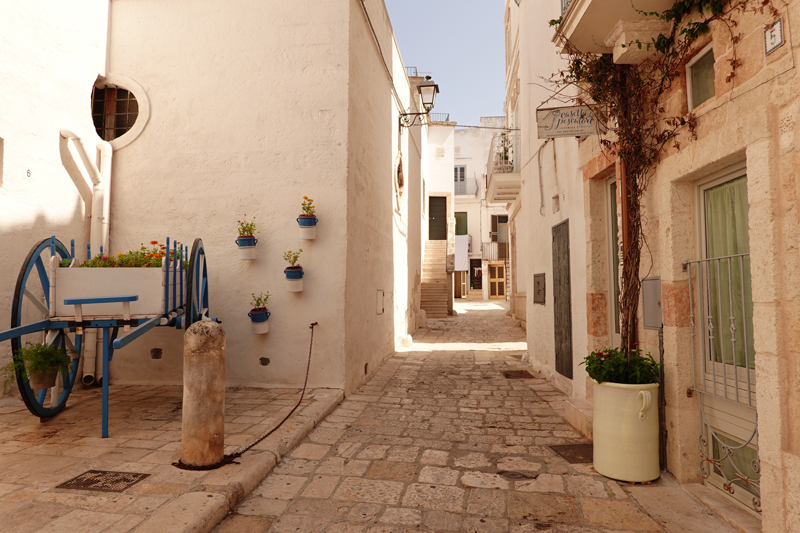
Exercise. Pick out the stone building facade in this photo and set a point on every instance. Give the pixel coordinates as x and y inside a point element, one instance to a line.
<point>722,232</point>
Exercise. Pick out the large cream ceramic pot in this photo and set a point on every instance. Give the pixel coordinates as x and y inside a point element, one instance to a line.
<point>625,429</point>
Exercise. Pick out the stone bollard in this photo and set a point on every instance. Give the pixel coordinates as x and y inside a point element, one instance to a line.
<point>203,425</point>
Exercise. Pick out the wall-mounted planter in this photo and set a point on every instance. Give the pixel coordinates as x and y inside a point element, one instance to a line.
<point>258,319</point>
<point>294,279</point>
<point>308,226</point>
<point>247,247</point>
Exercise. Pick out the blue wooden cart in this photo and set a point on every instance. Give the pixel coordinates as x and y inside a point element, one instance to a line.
<point>46,309</point>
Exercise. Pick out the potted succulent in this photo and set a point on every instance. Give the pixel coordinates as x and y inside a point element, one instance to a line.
<point>625,424</point>
<point>246,241</point>
<point>294,272</point>
<point>259,313</point>
<point>39,363</point>
<point>307,219</point>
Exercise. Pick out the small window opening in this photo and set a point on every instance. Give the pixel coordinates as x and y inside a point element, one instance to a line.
<point>700,77</point>
<point>114,111</point>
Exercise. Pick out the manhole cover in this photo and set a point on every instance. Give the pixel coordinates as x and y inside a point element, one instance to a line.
<point>103,481</point>
<point>575,453</point>
<point>517,374</point>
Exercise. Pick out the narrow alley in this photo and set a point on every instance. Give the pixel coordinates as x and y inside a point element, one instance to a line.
<point>440,440</point>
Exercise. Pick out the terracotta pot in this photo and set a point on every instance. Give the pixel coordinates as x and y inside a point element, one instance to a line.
<point>43,380</point>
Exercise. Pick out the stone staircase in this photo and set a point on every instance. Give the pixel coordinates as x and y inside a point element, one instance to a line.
<point>434,280</point>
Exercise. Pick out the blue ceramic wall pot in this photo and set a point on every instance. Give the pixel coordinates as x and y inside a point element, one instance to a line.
<point>308,226</point>
<point>294,279</point>
<point>247,247</point>
<point>258,318</point>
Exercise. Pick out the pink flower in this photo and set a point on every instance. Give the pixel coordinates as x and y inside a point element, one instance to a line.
<point>104,258</point>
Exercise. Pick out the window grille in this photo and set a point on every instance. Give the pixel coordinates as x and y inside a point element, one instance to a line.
<point>114,111</point>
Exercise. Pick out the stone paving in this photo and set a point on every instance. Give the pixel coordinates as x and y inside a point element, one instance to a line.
<point>145,433</point>
<point>440,440</point>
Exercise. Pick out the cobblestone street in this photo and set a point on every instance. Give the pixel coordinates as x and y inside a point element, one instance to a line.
<point>440,440</point>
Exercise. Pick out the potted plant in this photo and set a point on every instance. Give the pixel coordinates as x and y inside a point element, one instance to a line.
<point>259,313</point>
<point>141,271</point>
<point>39,363</point>
<point>625,424</point>
<point>307,220</point>
<point>246,241</point>
<point>294,272</point>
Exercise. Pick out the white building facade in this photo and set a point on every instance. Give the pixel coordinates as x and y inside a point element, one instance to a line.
<point>223,131</point>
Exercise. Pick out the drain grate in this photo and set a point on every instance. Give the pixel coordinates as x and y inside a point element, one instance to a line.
<point>103,481</point>
<point>575,453</point>
<point>517,374</point>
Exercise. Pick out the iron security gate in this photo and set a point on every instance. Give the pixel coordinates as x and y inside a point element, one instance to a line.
<point>721,320</point>
<point>562,300</point>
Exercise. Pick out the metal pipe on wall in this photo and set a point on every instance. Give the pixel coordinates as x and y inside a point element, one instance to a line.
<point>98,204</point>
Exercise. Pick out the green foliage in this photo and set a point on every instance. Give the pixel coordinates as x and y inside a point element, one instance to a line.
<point>34,358</point>
<point>292,257</point>
<point>260,301</point>
<point>247,228</point>
<point>143,257</point>
<point>614,366</point>
<point>555,22</point>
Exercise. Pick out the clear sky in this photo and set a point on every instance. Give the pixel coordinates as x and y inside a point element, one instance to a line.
<point>460,42</point>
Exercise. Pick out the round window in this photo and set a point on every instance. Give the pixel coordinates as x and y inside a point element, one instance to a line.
<point>114,111</point>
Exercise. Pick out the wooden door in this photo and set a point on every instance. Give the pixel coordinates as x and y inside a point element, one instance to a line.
<point>562,300</point>
<point>497,281</point>
<point>437,218</point>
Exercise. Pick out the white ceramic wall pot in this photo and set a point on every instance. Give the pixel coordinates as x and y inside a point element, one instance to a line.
<point>294,279</point>
<point>308,232</point>
<point>259,321</point>
<point>247,248</point>
<point>308,227</point>
<point>259,328</point>
<point>625,431</point>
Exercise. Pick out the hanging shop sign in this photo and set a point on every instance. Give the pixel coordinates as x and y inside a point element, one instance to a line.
<point>565,122</point>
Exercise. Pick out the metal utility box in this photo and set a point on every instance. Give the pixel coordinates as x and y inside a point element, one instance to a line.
<point>538,289</point>
<point>651,303</point>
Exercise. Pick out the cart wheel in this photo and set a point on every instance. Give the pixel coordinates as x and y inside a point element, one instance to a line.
<point>197,291</point>
<point>32,304</point>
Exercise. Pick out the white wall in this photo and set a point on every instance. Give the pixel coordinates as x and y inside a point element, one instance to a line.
<point>560,176</point>
<point>52,54</point>
<point>240,132</point>
<point>441,152</point>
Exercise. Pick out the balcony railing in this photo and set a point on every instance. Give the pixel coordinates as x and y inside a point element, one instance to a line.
<point>469,187</point>
<point>564,6</point>
<point>503,154</point>
<point>495,251</point>
<point>440,117</point>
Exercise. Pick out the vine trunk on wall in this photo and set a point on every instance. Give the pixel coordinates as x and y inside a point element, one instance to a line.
<point>627,101</point>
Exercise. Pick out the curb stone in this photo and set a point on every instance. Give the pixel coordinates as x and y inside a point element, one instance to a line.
<point>201,509</point>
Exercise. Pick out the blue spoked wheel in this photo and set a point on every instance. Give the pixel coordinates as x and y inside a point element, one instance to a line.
<point>32,304</point>
<point>197,292</point>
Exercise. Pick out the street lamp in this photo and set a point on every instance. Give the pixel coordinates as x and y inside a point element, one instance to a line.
<point>428,91</point>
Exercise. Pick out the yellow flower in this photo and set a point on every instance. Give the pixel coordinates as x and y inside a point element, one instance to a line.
<point>305,197</point>
<point>120,255</point>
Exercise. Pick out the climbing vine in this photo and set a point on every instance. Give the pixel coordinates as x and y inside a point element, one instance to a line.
<point>628,102</point>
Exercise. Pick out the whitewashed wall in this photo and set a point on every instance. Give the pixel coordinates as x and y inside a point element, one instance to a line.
<point>52,54</point>
<point>234,132</point>
<point>560,176</point>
